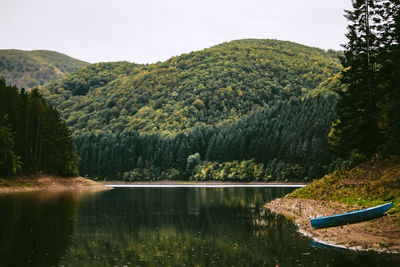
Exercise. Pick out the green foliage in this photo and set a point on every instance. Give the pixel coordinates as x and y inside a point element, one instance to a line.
<point>247,101</point>
<point>369,184</point>
<point>28,69</point>
<point>356,129</point>
<point>211,87</point>
<point>144,174</point>
<point>290,139</point>
<point>249,170</point>
<point>368,109</point>
<point>32,136</point>
<point>9,162</point>
<point>390,83</point>
<point>330,86</point>
<point>192,161</point>
<point>90,78</point>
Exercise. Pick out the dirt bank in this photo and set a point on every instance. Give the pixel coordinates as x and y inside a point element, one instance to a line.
<point>48,182</point>
<point>381,234</point>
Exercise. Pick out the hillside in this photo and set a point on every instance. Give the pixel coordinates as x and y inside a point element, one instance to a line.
<point>205,88</point>
<point>286,141</point>
<point>261,107</point>
<point>28,69</point>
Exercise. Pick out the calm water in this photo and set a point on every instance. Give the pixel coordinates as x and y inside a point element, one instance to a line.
<point>160,226</point>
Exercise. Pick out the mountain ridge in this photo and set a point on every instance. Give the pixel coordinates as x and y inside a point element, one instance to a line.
<point>201,88</point>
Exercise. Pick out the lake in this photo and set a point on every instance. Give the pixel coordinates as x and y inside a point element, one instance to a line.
<point>161,226</point>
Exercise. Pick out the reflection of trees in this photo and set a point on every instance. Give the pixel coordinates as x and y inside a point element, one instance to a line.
<point>265,222</point>
<point>35,228</point>
<point>155,226</point>
<point>179,226</point>
<point>190,226</point>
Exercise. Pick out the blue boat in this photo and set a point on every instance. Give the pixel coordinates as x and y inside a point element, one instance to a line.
<point>350,217</point>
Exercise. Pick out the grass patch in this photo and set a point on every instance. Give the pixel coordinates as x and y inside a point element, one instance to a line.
<point>372,183</point>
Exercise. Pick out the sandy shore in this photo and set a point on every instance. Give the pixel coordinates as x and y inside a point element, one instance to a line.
<point>48,182</point>
<point>380,235</point>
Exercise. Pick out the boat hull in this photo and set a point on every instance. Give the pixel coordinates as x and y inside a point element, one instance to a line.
<point>350,217</point>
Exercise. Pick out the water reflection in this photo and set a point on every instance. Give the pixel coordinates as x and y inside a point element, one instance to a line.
<point>35,228</point>
<point>155,226</point>
<point>196,226</point>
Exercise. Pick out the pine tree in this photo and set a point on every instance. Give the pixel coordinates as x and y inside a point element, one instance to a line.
<point>390,78</point>
<point>356,128</point>
<point>32,136</point>
<point>9,162</point>
<point>182,154</point>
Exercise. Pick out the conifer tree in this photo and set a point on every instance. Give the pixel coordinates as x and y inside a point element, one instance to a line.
<point>356,128</point>
<point>390,77</point>
<point>32,136</point>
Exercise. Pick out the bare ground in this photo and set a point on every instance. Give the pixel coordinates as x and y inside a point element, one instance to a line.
<point>380,234</point>
<point>49,182</point>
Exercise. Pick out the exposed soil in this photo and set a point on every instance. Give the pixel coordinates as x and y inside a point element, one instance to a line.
<point>380,234</point>
<point>48,182</point>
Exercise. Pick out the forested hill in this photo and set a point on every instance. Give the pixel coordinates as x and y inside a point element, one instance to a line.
<point>205,88</point>
<point>28,69</point>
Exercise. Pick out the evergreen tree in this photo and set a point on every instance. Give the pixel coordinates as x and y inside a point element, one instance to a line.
<point>9,162</point>
<point>390,78</point>
<point>356,128</point>
<point>32,136</point>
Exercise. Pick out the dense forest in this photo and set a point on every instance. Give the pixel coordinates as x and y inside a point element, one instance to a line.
<point>32,136</point>
<point>28,69</point>
<point>244,110</point>
<point>211,87</point>
<point>286,141</point>
<point>251,106</point>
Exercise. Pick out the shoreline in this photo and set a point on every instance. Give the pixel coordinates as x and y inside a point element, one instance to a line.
<point>380,235</point>
<point>44,182</point>
<point>207,183</point>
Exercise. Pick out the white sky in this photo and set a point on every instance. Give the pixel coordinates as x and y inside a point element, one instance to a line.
<point>147,31</point>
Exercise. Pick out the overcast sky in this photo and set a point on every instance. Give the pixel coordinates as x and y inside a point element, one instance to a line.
<point>147,31</point>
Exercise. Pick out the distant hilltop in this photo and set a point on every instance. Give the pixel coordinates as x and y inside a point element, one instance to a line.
<point>28,69</point>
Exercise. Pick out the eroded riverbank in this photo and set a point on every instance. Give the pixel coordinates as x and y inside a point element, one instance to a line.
<point>380,235</point>
<point>48,182</point>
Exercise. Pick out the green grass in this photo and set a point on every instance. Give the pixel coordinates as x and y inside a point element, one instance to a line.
<point>369,184</point>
